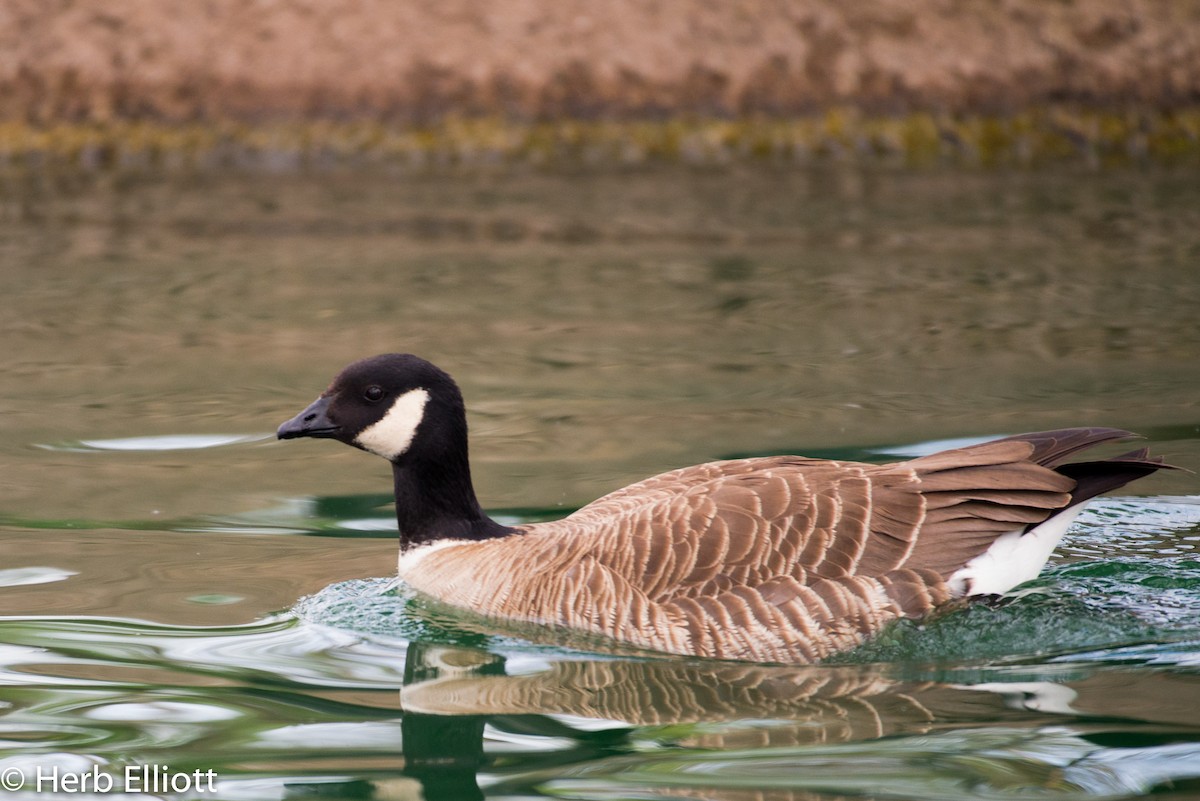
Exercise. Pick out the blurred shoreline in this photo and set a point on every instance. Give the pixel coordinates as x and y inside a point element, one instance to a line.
<point>1020,81</point>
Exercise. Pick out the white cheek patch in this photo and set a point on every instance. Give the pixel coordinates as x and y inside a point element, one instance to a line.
<point>392,435</point>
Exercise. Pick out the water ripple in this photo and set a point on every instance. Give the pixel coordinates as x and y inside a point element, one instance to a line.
<point>972,765</point>
<point>279,650</point>
<point>164,442</point>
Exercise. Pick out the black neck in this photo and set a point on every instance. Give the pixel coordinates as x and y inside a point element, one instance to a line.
<point>435,500</point>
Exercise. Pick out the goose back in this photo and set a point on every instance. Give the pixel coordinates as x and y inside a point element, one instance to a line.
<point>779,559</point>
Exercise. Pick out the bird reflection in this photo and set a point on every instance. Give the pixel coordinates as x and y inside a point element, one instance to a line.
<point>445,752</point>
<point>450,694</point>
<point>822,704</point>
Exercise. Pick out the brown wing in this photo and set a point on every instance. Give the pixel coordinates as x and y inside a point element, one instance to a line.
<point>774,559</point>
<point>699,531</point>
<point>778,559</point>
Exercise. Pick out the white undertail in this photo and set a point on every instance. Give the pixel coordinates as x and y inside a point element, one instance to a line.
<point>1013,558</point>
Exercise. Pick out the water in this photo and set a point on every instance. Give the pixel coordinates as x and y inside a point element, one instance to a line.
<point>180,593</point>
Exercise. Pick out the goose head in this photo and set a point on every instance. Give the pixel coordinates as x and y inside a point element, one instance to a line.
<point>411,413</point>
<point>391,405</point>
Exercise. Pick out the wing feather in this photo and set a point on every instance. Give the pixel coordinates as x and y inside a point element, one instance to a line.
<point>772,559</point>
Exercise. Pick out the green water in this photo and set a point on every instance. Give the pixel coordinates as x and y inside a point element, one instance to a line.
<point>179,593</point>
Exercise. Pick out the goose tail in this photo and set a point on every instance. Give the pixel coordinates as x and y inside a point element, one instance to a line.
<point>1018,556</point>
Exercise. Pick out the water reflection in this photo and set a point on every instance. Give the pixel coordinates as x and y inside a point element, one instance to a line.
<point>818,704</point>
<point>736,729</point>
<point>605,327</point>
<point>165,442</point>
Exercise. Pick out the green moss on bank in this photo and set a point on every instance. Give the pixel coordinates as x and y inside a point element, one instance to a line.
<point>1097,138</point>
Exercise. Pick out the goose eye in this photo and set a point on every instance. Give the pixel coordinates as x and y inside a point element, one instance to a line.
<point>373,393</point>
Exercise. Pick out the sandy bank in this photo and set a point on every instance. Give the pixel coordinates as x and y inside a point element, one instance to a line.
<point>421,60</point>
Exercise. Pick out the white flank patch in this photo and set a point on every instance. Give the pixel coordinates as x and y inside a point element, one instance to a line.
<point>1013,558</point>
<point>392,435</point>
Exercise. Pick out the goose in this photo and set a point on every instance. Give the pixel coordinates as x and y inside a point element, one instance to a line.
<point>777,559</point>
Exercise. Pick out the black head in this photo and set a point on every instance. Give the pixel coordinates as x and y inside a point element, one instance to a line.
<point>386,405</point>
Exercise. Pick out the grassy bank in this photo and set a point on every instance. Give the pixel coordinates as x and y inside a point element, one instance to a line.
<point>1031,138</point>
